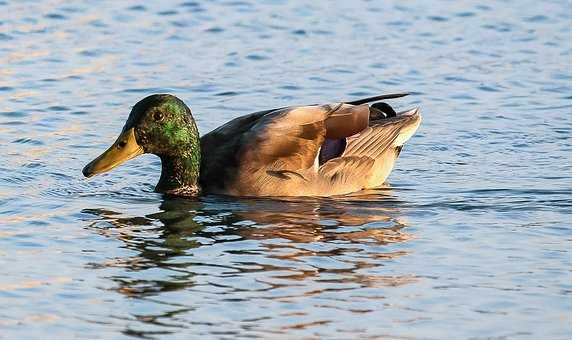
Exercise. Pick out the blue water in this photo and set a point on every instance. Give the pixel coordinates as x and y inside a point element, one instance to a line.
<point>471,240</point>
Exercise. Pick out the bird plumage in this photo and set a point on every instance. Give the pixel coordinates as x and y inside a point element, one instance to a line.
<point>312,150</point>
<point>274,153</point>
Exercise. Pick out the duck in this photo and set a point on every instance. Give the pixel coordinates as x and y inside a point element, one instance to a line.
<point>308,150</point>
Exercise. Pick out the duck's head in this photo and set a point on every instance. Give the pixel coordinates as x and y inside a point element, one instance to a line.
<point>159,124</point>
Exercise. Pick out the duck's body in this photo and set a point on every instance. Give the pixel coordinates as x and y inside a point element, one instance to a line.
<point>316,150</point>
<point>277,153</point>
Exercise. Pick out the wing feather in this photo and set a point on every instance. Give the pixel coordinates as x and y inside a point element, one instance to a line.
<point>373,141</point>
<point>290,138</point>
<point>346,173</point>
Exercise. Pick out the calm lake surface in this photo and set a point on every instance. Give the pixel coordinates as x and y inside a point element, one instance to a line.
<point>471,240</point>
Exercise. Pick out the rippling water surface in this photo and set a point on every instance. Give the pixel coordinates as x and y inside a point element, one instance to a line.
<point>471,240</point>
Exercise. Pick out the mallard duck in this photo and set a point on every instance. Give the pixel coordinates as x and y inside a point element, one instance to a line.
<point>314,150</point>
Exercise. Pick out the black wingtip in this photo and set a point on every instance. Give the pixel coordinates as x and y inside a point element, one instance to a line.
<point>377,98</point>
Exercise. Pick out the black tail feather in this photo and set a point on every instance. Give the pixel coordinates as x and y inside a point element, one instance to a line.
<point>385,108</point>
<point>377,98</point>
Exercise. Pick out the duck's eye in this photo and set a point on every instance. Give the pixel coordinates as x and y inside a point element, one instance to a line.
<point>158,116</point>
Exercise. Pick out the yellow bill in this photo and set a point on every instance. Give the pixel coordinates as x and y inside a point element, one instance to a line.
<point>124,149</point>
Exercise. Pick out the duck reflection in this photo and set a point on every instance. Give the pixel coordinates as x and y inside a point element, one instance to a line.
<point>283,241</point>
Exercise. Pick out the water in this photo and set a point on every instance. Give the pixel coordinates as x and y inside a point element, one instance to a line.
<point>472,240</point>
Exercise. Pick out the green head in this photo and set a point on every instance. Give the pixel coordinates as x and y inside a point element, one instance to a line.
<point>159,124</point>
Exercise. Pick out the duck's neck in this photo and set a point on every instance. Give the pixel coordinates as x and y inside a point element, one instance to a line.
<point>180,172</point>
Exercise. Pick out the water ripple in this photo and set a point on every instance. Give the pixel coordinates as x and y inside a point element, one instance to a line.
<point>471,230</point>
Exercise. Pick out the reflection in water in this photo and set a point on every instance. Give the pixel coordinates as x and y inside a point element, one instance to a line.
<point>280,250</point>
